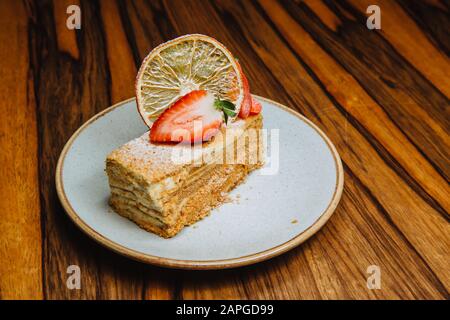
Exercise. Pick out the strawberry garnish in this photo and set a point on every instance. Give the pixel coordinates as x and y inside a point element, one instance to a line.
<point>256,107</point>
<point>246,105</point>
<point>195,117</point>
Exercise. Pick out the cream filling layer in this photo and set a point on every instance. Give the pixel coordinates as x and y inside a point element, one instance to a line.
<point>232,144</point>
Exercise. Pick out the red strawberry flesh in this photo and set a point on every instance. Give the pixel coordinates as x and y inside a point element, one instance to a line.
<point>192,118</point>
<point>256,107</point>
<point>244,112</point>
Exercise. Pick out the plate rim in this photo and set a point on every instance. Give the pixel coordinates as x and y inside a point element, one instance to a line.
<point>202,264</point>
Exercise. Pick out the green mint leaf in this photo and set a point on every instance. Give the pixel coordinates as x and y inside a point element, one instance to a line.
<point>227,107</point>
<point>224,104</point>
<point>228,112</point>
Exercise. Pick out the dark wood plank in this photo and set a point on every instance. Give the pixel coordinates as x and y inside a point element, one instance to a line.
<point>412,41</point>
<point>433,18</point>
<point>413,103</point>
<point>70,88</point>
<point>121,65</point>
<point>146,25</point>
<point>20,226</point>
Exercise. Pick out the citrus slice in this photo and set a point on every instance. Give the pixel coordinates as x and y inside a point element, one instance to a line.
<point>184,64</point>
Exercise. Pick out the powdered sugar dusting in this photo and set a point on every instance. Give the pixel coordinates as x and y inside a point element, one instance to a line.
<point>156,161</point>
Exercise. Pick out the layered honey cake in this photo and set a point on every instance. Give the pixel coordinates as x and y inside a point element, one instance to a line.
<point>152,185</point>
<point>204,139</point>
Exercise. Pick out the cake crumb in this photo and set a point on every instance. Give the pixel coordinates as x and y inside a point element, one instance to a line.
<point>226,198</point>
<point>236,199</point>
<point>294,221</point>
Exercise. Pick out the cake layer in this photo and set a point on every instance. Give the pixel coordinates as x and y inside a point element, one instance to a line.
<point>150,163</point>
<point>163,201</point>
<point>124,165</point>
<point>213,192</point>
<point>130,194</point>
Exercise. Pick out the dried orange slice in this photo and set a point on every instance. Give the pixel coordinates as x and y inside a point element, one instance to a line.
<point>179,66</point>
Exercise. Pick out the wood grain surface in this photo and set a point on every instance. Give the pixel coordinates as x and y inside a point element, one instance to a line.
<point>382,96</point>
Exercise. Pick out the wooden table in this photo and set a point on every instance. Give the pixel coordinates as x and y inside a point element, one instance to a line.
<point>382,96</point>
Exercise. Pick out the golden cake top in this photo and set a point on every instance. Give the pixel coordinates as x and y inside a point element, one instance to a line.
<point>154,162</point>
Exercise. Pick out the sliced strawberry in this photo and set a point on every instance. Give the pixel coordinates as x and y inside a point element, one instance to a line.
<point>256,107</point>
<point>192,118</point>
<point>246,105</point>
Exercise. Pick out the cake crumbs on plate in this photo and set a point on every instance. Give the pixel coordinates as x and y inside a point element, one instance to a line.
<point>294,221</point>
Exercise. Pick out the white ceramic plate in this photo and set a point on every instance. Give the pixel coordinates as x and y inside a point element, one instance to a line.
<point>273,213</point>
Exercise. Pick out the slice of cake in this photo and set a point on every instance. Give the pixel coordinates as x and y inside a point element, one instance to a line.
<point>165,187</point>
<point>203,141</point>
